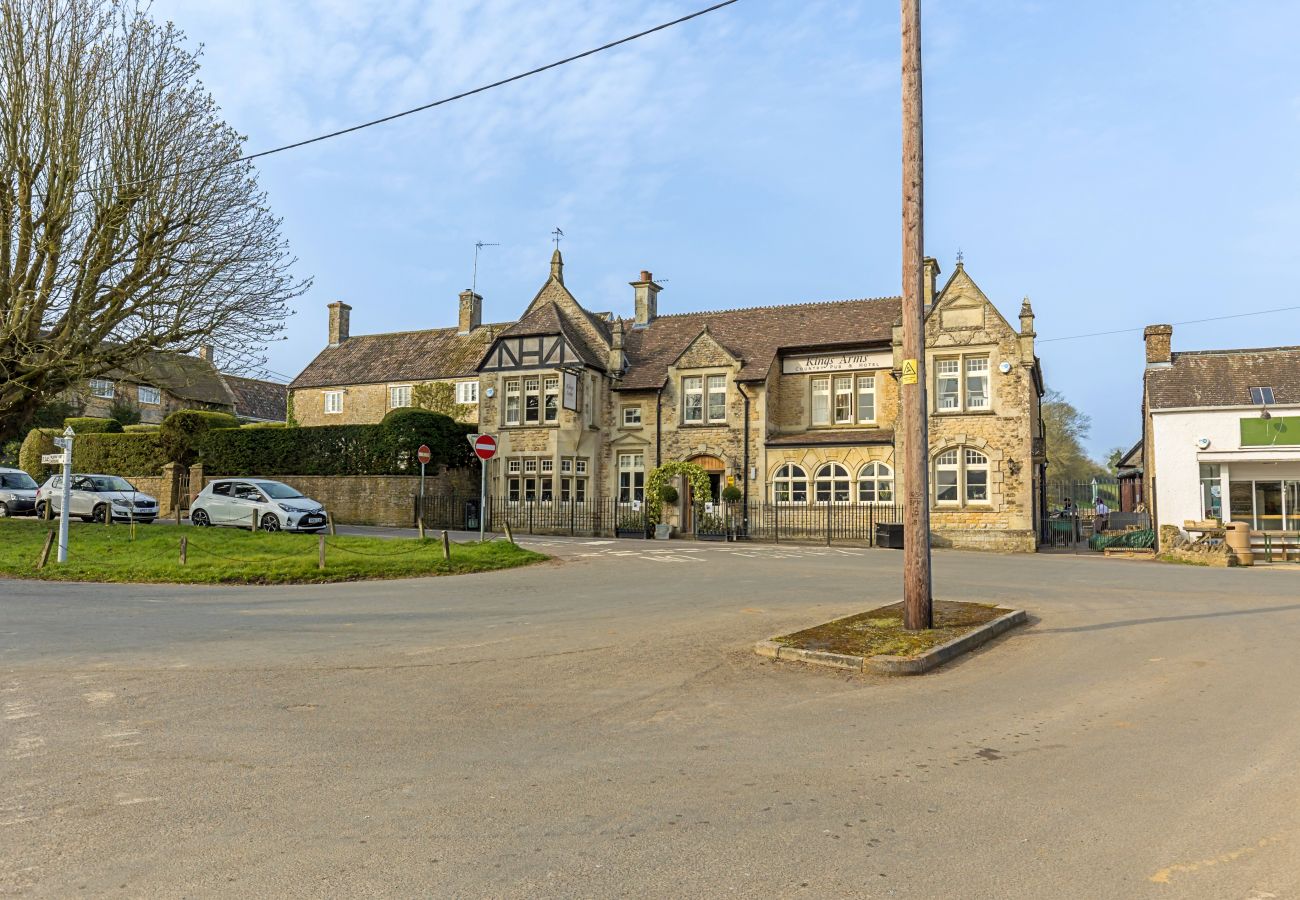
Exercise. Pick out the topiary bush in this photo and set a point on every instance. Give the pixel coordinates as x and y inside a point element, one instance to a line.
<point>37,442</point>
<point>406,429</point>
<point>93,425</point>
<point>184,431</point>
<point>139,429</point>
<point>732,494</point>
<point>668,494</point>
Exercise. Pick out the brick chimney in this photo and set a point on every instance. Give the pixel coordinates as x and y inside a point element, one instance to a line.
<point>929,280</point>
<point>471,312</point>
<point>340,315</point>
<point>646,293</point>
<point>1159,339</point>
<point>206,353</point>
<point>1027,333</point>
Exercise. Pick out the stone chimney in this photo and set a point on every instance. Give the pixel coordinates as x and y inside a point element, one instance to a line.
<point>557,266</point>
<point>206,353</point>
<point>340,315</point>
<point>1027,333</point>
<point>471,312</point>
<point>617,358</point>
<point>1159,340</point>
<point>929,281</point>
<point>646,293</point>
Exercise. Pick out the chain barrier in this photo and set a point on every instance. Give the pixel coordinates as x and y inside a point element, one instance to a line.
<point>237,559</point>
<point>380,555</point>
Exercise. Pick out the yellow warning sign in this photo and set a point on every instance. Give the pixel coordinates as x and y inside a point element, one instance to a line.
<point>909,371</point>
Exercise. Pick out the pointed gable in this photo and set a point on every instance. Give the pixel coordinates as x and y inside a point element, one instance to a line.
<point>706,352</point>
<point>589,333</point>
<point>963,314</point>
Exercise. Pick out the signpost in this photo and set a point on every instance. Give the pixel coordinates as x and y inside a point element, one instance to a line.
<point>65,443</point>
<point>424,454</point>
<point>485,447</point>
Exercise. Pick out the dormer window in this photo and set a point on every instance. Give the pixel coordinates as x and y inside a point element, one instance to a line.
<point>1261,396</point>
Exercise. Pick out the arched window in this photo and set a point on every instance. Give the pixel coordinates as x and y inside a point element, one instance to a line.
<point>790,484</point>
<point>876,483</point>
<point>832,484</point>
<point>961,476</point>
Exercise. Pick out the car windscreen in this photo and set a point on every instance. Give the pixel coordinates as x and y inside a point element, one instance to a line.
<point>17,481</point>
<point>277,491</point>
<point>110,483</point>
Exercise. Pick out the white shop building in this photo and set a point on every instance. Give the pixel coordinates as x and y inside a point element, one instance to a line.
<point>1222,434</point>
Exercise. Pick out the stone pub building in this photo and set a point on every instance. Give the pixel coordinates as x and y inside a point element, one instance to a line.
<point>795,404</point>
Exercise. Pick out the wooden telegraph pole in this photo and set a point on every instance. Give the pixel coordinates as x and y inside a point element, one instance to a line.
<point>917,612</point>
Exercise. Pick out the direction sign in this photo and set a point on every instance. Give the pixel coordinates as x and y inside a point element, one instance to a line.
<point>424,454</point>
<point>53,459</point>
<point>485,446</point>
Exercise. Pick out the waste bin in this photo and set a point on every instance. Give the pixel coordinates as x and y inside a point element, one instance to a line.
<point>1238,541</point>
<point>889,535</point>
<point>471,515</point>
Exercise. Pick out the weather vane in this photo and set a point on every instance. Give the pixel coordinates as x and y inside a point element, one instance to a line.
<point>557,234</point>
<point>961,257</point>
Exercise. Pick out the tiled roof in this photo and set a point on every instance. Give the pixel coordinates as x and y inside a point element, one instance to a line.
<point>833,437</point>
<point>756,334</point>
<point>401,356</point>
<point>256,399</point>
<point>1224,378</point>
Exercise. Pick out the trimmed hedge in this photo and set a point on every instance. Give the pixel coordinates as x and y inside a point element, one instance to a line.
<point>112,454</point>
<point>184,431</point>
<point>139,429</point>
<point>93,425</point>
<point>119,454</point>
<point>385,449</point>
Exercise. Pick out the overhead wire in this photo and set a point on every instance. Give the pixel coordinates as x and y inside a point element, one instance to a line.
<point>1258,312</point>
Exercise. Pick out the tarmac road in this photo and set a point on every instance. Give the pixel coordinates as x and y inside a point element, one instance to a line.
<point>599,727</point>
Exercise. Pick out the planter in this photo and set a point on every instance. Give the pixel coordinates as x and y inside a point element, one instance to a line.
<point>663,531</point>
<point>710,537</point>
<point>629,533</point>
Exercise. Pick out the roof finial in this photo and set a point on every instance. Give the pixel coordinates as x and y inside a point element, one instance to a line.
<point>961,257</point>
<point>557,261</point>
<point>556,235</point>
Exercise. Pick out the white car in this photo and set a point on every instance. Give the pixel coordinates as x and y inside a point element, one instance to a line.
<point>17,493</point>
<point>270,505</point>
<point>96,497</point>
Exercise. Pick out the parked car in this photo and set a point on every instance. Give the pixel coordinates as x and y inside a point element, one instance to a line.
<point>271,505</point>
<point>17,493</point>
<point>95,498</point>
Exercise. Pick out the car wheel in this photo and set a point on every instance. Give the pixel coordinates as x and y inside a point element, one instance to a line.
<point>101,514</point>
<point>40,510</point>
<point>200,518</point>
<point>4,511</point>
<point>270,522</point>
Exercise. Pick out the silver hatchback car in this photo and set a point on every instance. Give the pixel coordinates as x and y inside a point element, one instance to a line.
<point>248,502</point>
<point>97,497</point>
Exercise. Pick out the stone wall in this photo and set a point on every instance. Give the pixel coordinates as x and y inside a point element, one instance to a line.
<point>376,499</point>
<point>363,404</point>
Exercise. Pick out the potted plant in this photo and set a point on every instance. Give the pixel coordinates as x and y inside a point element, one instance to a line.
<point>709,526</point>
<point>735,522</point>
<point>667,497</point>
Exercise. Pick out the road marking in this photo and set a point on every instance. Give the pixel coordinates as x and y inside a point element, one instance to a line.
<point>1164,875</point>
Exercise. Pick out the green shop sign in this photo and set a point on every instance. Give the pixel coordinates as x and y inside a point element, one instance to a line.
<point>1279,431</point>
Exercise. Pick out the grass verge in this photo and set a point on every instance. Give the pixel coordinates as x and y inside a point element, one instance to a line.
<point>880,631</point>
<point>234,556</point>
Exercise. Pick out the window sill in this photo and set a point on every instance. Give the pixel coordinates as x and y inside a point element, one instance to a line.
<point>849,426</point>
<point>963,412</point>
<point>704,425</point>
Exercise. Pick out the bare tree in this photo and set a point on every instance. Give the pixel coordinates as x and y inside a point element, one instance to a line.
<point>128,223</point>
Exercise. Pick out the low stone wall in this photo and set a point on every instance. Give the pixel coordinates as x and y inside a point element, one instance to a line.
<point>988,539</point>
<point>158,487</point>
<point>373,499</point>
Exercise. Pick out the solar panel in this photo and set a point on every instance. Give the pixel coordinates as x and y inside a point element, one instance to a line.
<point>1261,396</point>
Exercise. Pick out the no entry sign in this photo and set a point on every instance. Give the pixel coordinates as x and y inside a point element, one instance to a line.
<point>485,445</point>
<point>424,454</point>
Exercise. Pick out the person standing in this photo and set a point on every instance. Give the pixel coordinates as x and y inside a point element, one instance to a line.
<point>1101,516</point>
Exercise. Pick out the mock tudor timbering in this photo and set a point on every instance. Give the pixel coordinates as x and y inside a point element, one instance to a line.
<point>793,404</point>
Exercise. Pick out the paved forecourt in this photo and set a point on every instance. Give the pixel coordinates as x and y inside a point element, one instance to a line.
<point>599,726</point>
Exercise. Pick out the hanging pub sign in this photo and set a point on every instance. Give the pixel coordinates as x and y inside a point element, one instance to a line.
<point>570,391</point>
<point>838,362</point>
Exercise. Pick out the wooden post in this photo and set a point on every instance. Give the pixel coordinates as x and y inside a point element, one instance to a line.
<point>917,606</point>
<point>446,545</point>
<point>330,520</point>
<point>419,524</point>
<point>510,535</point>
<point>185,550</point>
<point>320,560</point>
<point>45,551</point>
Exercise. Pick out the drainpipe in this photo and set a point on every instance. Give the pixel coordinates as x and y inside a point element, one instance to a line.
<point>744,475</point>
<point>659,412</point>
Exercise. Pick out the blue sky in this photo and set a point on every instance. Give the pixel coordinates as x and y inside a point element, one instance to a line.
<point>1122,163</point>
